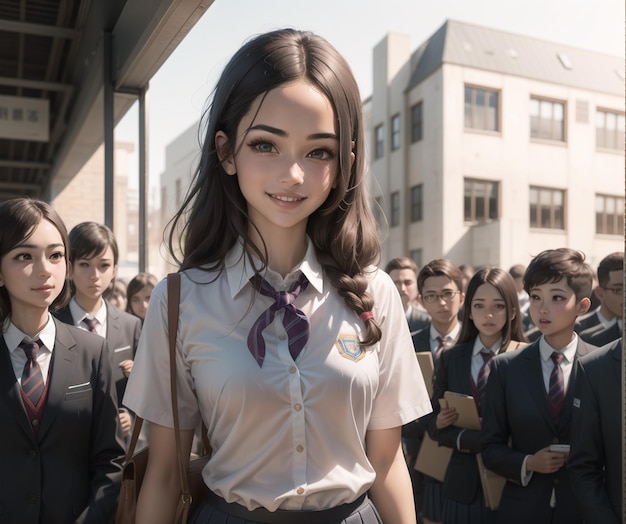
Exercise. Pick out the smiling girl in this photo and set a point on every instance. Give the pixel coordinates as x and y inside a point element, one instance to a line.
<point>292,346</point>
<point>60,444</point>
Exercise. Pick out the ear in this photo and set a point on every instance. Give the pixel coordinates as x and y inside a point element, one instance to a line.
<point>224,153</point>
<point>583,306</point>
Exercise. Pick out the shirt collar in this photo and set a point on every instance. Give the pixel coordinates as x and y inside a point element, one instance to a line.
<point>78,313</point>
<point>239,271</point>
<point>14,336</point>
<point>452,336</point>
<point>478,346</point>
<point>568,351</point>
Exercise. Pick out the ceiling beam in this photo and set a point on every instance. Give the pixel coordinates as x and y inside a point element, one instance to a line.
<point>37,29</point>
<point>35,84</point>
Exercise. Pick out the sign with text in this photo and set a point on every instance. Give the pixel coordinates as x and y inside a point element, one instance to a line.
<point>24,118</point>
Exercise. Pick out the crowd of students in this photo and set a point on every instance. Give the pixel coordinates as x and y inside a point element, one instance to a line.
<point>293,348</point>
<point>531,404</point>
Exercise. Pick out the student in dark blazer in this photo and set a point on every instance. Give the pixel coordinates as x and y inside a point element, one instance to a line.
<point>610,292</point>
<point>596,454</point>
<point>60,442</point>
<point>93,266</point>
<point>492,324</point>
<point>528,403</point>
<point>604,336</point>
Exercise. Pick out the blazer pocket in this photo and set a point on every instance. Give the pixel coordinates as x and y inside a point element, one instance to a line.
<point>78,391</point>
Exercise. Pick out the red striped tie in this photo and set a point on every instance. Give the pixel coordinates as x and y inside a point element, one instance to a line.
<point>483,375</point>
<point>32,378</point>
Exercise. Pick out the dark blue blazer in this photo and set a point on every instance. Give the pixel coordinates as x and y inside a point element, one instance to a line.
<point>596,454</point>
<point>70,472</point>
<point>123,331</point>
<point>604,336</point>
<point>516,408</point>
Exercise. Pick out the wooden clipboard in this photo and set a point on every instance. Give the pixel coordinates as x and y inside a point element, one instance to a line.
<point>425,360</point>
<point>466,408</point>
<point>433,459</point>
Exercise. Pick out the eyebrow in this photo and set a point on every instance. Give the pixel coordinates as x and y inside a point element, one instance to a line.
<point>33,246</point>
<point>282,133</point>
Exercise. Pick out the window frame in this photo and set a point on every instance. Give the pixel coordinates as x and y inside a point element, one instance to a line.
<point>472,218</point>
<point>476,109</point>
<point>395,129</point>
<point>538,222</point>
<point>417,203</point>
<point>618,136</point>
<point>379,141</point>
<point>617,217</point>
<point>417,122</point>
<point>394,211</point>
<point>543,101</point>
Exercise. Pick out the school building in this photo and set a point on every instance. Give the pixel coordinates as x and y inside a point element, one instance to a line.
<point>487,147</point>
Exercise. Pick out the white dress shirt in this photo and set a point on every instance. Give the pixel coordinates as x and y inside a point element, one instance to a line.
<point>289,434</point>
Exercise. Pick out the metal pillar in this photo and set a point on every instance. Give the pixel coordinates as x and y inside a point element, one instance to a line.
<point>109,167</point>
<point>144,186</point>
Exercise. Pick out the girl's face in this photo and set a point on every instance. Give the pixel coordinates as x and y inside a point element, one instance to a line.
<point>285,157</point>
<point>139,301</point>
<point>34,271</point>
<point>488,312</point>
<point>93,276</point>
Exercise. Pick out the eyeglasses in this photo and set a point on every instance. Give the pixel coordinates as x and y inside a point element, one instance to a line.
<point>614,290</point>
<point>447,296</point>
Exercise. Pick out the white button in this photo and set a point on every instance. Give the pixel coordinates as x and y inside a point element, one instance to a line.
<point>282,337</point>
<point>299,449</point>
<point>298,407</point>
<point>292,369</point>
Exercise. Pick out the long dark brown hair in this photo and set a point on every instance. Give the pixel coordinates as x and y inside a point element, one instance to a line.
<point>19,218</point>
<point>505,285</point>
<point>214,213</point>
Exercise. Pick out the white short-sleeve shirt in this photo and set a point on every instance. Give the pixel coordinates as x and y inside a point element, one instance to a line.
<point>289,434</point>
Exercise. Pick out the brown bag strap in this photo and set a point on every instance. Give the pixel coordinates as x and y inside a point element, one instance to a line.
<point>173,301</point>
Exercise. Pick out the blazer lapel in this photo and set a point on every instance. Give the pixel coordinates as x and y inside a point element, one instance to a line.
<point>10,391</point>
<point>566,415</point>
<point>113,327</point>
<point>533,375</point>
<point>64,362</point>
<point>464,369</point>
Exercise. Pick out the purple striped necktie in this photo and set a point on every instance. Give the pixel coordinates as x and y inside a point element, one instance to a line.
<point>32,378</point>
<point>295,322</point>
<point>556,393</point>
<point>91,324</point>
<point>483,374</point>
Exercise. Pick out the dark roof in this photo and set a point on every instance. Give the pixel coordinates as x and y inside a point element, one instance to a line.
<point>511,54</point>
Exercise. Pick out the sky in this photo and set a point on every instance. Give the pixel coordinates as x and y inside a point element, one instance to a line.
<point>180,89</point>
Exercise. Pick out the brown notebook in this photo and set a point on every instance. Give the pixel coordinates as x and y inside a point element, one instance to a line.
<point>425,360</point>
<point>432,459</point>
<point>466,408</point>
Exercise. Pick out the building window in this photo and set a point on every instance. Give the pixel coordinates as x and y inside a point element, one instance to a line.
<point>547,208</point>
<point>417,122</point>
<point>481,109</point>
<point>609,215</point>
<point>609,129</point>
<point>379,141</point>
<point>481,200</point>
<point>395,132</point>
<point>395,208</point>
<point>547,119</point>
<point>417,203</point>
<point>417,256</point>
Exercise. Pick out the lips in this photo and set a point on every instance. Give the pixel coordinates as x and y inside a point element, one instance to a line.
<point>286,198</point>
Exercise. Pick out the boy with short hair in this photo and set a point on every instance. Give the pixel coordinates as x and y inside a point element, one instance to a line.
<point>440,286</point>
<point>529,396</point>
<point>93,265</point>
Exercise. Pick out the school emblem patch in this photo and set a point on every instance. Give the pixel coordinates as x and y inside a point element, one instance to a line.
<point>349,347</point>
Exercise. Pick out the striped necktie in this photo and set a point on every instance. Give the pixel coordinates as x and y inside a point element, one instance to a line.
<point>295,321</point>
<point>91,324</point>
<point>483,375</point>
<point>556,392</point>
<point>32,378</point>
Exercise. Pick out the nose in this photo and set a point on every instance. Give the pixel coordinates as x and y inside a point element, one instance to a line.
<point>294,175</point>
<point>44,266</point>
